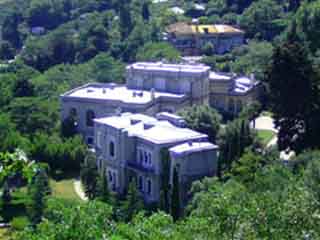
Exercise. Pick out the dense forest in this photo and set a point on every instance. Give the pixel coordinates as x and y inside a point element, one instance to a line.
<point>50,46</point>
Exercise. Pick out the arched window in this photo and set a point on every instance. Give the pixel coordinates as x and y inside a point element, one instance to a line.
<point>149,186</point>
<point>231,106</point>
<point>111,149</point>
<point>73,113</point>
<point>90,116</point>
<point>239,105</point>
<point>140,156</point>
<point>140,183</point>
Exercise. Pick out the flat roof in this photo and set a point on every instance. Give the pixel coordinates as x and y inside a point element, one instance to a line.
<point>219,76</point>
<point>243,84</point>
<point>166,67</point>
<point>151,129</point>
<point>114,92</point>
<point>189,28</point>
<point>192,147</point>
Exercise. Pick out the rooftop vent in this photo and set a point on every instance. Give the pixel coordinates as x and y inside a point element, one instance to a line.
<point>89,90</point>
<point>172,118</point>
<point>140,94</point>
<point>153,94</point>
<point>134,121</point>
<point>112,86</point>
<point>190,143</point>
<point>147,126</point>
<point>104,90</point>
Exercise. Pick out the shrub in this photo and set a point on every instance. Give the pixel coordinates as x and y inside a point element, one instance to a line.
<point>20,223</point>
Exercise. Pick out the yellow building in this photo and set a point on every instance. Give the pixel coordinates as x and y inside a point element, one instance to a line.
<point>191,38</point>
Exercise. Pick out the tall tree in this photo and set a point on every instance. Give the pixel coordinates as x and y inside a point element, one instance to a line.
<point>6,194</point>
<point>10,30</point>
<point>165,176</point>
<point>294,95</point>
<point>175,196</point>
<point>103,192</point>
<point>126,24</point>
<point>204,119</point>
<point>89,176</point>
<point>38,190</point>
<point>145,11</point>
<point>234,139</point>
<point>133,203</point>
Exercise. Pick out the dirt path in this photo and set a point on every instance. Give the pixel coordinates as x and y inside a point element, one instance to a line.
<point>79,190</point>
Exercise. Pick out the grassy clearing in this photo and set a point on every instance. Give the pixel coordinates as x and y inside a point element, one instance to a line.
<point>4,234</point>
<point>265,136</point>
<point>64,188</point>
<point>267,114</point>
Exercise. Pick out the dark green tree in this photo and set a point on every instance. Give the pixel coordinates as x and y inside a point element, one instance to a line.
<point>145,10</point>
<point>7,52</point>
<point>69,127</point>
<point>233,141</point>
<point>10,30</point>
<point>202,118</point>
<point>133,203</point>
<point>38,191</point>
<point>125,18</point>
<point>259,20</point>
<point>157,51</point>
<point>165,177</point>
<point>103,193</point>
<point>294,95</point>
<point>23,88</point>
<point>89,176</point>
<point>175,196</point>
<point>6,194</point>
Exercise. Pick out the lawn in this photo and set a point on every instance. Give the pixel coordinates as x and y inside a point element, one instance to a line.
<point>265,136</point>
<point>4,234</point>
<point>64,189</point>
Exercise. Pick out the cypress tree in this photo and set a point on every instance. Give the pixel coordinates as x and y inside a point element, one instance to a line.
<point>133,203</point>
<point>103,193</point>
<point>175,196</point>
<point>125,18</point>
<point>89,176</point>
<point>165,175</point>
<point>38,190</point>
<point>6,195</point>
<point>294,97</point>
<point>145,11</point>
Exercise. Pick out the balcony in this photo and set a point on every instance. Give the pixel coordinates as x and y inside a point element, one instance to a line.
<point>140,167</point>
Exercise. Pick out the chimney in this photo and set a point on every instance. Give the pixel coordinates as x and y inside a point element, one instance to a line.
<point>112,86</point>
<point>134,121</point>
<point>147,126</point>
<point>196,24</point>
<point>118,111</point>
<point>153,94</point>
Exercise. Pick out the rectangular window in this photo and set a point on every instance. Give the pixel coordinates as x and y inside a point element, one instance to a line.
<point>111,149</point>
<point>99,139</point>
<point>149,159</point>
<point>149,186</point>
<point>140,156</point>
<point>110,176</point>
<point>90,141</point>
<point>114,183</point>
<point>145,158</point>
<point>140,183</point>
